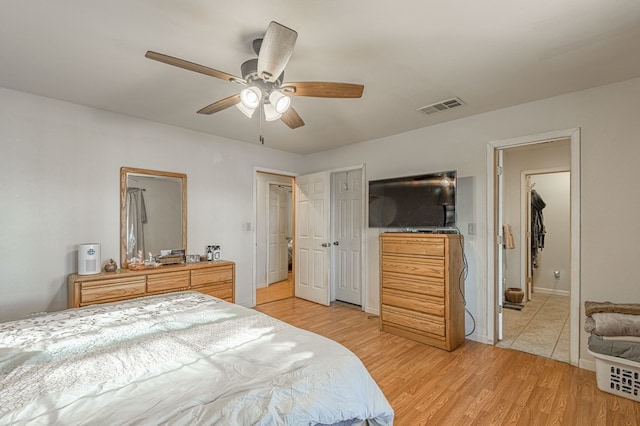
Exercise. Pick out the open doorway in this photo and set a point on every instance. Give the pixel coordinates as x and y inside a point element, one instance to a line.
<point>274,237</point>
<point>506,264</point>
<point>537,255</point>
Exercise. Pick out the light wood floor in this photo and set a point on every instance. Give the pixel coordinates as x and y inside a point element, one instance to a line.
<point>475,384</point>
<point>275,291</point>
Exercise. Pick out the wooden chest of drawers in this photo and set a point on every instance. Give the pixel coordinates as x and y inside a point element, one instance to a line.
<point>213,278</point>
<point>421,297</point>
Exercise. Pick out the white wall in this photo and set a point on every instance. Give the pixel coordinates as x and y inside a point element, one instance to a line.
<point>610,129</point>
<point>59,185</point>
<point>59,182</point>
<point>555,190</point>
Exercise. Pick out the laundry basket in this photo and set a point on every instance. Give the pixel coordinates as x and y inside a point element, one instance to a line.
<point>618,376</point>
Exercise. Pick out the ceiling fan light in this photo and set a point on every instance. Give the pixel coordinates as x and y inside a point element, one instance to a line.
<point>270,113</point>
<point>250,97</point>
<point>246,111</point>
<point>280,101</point>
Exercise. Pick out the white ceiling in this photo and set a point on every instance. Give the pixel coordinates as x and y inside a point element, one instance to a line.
<point>408,54</point>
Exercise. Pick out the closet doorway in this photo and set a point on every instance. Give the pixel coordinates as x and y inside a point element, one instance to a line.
<point>329,236</point>
<point>342,249</point>
<point>512,166</point>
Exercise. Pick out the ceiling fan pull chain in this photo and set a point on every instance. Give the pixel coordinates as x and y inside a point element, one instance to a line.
<point>261,117</point>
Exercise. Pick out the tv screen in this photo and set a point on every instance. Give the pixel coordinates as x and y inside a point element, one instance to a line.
<point>415,202</point>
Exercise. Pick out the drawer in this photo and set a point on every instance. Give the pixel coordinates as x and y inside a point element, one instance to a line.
<point>106,290</point>
<point>415,320</point>
<point>414,266</point>
<point>168,281</point>
<point>211,275</point>
<point>415,302</point>
<point>221,291</point>
<point>414,246</point>
<point>423,285</point>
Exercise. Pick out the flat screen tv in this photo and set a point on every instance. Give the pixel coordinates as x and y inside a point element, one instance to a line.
<point>422,202</point>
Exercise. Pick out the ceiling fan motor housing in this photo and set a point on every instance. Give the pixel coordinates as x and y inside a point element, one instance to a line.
<point>249,70</point>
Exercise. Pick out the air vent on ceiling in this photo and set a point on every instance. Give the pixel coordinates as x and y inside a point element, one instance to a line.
<point>441,106</point>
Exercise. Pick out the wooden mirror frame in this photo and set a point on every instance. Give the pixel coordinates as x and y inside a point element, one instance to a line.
<point>124,173</point>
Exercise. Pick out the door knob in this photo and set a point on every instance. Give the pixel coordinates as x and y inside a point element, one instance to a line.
<point>326,244</point>
<point>336,243</point>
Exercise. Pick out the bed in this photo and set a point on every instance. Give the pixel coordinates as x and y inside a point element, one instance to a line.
<point>180,358</point>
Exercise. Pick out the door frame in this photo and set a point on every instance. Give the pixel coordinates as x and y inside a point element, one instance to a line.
<point>252,225</point>
<point>494,232</point>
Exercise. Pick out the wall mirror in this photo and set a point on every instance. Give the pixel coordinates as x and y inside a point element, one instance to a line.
<point>153,212</point>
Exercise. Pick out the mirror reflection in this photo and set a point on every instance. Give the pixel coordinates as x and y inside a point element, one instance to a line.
<point>152,212</point>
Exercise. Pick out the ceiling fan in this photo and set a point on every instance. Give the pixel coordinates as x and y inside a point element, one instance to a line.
<point>263,77</point>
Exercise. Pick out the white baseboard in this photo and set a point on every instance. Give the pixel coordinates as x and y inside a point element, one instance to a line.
<point>552,291</point>
<point>372,310</point>
<point>479,338</point>
<point>587,364</point>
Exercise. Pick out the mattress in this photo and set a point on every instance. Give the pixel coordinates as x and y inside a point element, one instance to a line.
<point>180,358</point>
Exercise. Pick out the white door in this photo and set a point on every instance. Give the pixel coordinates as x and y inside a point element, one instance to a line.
<point>312,242</point>
<point>346,220</point>
<point>500,250</point>
<point>278,258</point>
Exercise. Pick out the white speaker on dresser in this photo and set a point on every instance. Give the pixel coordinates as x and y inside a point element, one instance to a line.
<point>89,260</point>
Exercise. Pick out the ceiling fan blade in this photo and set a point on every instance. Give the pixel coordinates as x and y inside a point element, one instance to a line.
<point>275,51</point>
<point>291,118</point>
<point>181,63</point>
<point>220,105</point>
<point>323,89</point>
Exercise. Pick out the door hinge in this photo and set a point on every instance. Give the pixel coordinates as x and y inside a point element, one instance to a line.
<point>499,170</point>
<point>499,239</point>
<point>499,309</point>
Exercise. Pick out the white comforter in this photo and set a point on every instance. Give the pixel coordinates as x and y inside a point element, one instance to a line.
<point>182,358</point>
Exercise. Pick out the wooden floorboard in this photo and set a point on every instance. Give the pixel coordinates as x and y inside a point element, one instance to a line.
<point>475,384</point>
<point>276,291</point>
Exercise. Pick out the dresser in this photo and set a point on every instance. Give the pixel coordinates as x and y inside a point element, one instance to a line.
<point>421,287</point>
<point>214,278</point>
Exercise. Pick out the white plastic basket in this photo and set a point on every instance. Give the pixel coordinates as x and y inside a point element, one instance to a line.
<point>618,376</point>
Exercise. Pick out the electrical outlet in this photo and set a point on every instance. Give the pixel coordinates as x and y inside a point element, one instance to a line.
<point>472,229</point>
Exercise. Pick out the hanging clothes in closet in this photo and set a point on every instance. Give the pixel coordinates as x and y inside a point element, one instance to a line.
<point>538,230</point>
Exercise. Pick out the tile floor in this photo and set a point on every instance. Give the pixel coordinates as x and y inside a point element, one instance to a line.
<point>540,328</point>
